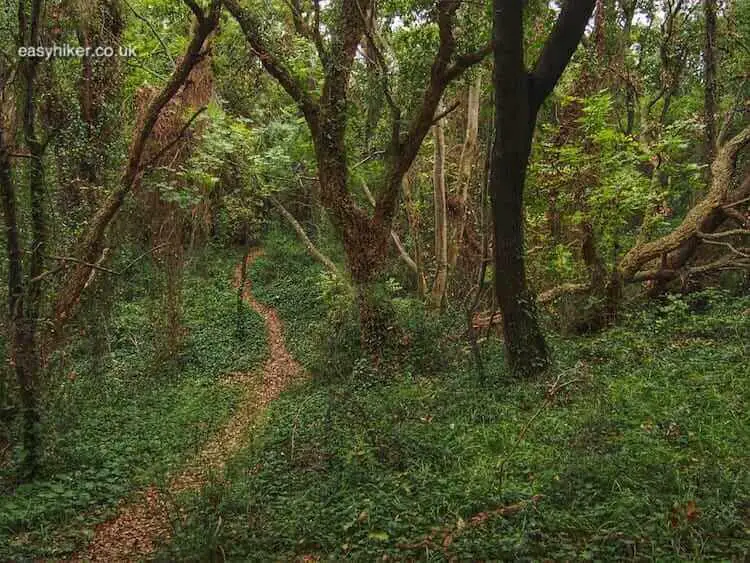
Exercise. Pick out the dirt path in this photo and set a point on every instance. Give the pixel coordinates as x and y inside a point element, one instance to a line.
<point>133,533</point>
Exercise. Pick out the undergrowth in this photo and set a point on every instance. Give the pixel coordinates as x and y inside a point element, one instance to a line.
<point>636,446</point>
<point>126,419</point>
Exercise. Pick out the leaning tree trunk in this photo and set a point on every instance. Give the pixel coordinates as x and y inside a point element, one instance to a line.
<point>673,250</point>
<point>91,244</point>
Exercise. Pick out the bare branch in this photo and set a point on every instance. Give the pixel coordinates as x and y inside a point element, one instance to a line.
<point>724,234</point>
<point>728,245</point>
<point>467,60</point>
<point>302,235</point>
<point>74,260</point>
<point>451,108</point>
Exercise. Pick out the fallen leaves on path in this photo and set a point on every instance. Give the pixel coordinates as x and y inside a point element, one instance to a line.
<point>133,533</point>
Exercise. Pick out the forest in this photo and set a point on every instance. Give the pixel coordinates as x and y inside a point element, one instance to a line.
<point>393,280</point>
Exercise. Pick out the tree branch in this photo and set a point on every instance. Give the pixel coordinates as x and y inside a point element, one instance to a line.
<point>274,66</point>
<point>196,9</point>
<point>441,75</point>
<point>153,32</point>
<point>558,49</point>
<point>91,241</point>
<point>302,235</point>
<point>304,29</point>
<point>451,108</point>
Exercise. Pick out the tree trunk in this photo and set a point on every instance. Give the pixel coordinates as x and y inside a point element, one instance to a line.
<point>402,252</point>
<point>24,298</point>
<point>100,78</point>
<point>525,347</point>
<point>23,357</point>
<point>441,220</point>
<point>365,238</point>
<point>465,169</point>
<point>519,95</point>
<point>709,77</point>
<point>412,216</point>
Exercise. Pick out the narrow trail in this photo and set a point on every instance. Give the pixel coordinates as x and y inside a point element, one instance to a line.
<point>133,533</point>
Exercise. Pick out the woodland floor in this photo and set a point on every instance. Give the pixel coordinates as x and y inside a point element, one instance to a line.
<point>634,447</point>
<point>145,520</point>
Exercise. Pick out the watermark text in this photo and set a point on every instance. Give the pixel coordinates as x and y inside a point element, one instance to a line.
<point>71,51</point>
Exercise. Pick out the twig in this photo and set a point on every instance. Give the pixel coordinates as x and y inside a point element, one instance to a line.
<point>83,263</point>
<point>736,203</point>
<point>724,234</point>
<point>368,158</point>
<point>727,245</point>
<point>142,256</point>
<point>442,114</point>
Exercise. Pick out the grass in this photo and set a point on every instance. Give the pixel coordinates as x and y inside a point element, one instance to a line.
<point>127,420</point>
<point>643,454</point>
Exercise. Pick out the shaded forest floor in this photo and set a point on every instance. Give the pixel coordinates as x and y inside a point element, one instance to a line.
<point>636,446</point>
<point>146,520</point>
<point>124,417</point>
